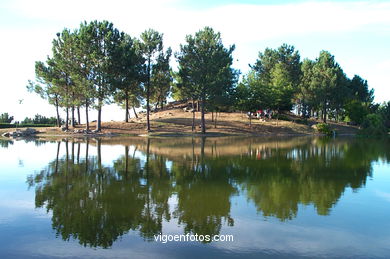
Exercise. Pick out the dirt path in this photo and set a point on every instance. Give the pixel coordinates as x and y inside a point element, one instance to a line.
<point>177,122</point>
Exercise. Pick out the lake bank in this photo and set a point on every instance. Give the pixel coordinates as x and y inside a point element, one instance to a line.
<point>177,123</point>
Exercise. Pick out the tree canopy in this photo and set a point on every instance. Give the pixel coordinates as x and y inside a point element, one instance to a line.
<point>97,64</point>
<point>205,67</point>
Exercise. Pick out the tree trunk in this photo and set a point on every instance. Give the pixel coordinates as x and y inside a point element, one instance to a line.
<point>215,120</point>
<point>58,152</point>
<point>67,119</point>
<point>127,107</point>
<point>78,115</point>
<point>212,116</point>
<point>78,153</point>
<point>324,112</point>
<point>202,118</point>
<point>86,116</point>
<point>72,152</point>
<point>162,105</point>
<point>99,154</point>
<point>193,119</point>
<point>250,119</point>
<point>86,155</point>
<point>193,115</point>
<point>135,112</point>
<point>99,120</point>
<point>73,124</point>
<point>67,150</point>
<point>58,114</point>
<point>202,164</point>
<point>126,160</point>
<point>147,98</point>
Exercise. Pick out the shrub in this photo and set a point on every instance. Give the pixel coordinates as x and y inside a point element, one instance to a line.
<point>283,117</point>
<point>301,121</point>
<point>373,126</point>
<point>384,111</point>
<point>356,111</point>
<point>324,128</point>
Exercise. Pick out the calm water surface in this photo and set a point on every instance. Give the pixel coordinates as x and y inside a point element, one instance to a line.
<point>279,198</point>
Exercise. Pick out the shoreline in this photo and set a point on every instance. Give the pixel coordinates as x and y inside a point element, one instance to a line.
<point>44,135</point>
<point>177,123</point>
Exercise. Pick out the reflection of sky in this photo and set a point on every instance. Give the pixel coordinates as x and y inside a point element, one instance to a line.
<point>358,226</point>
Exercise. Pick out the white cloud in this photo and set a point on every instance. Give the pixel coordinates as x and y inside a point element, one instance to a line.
<point>384,195</point>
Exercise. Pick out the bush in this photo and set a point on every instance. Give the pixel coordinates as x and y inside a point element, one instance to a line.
<point>283,117</point>
<point>324,128</point>
<point>356,111</point>
<point>373,125</point>
<point>384,111</point>
<point>301,121</point>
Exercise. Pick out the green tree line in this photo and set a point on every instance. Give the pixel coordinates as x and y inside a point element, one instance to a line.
<point>97,64</point>
<point>38,120</point>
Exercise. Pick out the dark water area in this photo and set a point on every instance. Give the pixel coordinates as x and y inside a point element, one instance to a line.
<point>299,197</point>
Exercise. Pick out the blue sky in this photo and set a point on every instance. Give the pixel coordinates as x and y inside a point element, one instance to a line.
<point>356,32</point>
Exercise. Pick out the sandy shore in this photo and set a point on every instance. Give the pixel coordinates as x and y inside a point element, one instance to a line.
<point>176,122</point>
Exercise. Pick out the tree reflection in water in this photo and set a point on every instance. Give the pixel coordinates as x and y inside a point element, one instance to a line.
<point>96,204</point>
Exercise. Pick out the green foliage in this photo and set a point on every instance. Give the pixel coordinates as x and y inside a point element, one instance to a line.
<point>278,71</point>
<point>356,111</point>
<point>205,68</point>
<point>302,121</point>
<point>97,64</point>
<point>161,78</point>
<point>23,125</point>
<point>6,125</point>
<point>359,90</point>
<point>128,74</point>
<point>39,119</point>
<point>384,111</point>
<point>324,128</point>
<point>284,117</point>
<point>305,94</point>
<point>373,126</point>
<point>251,94</point>
<point>6,118</point>
<point>151,46</point>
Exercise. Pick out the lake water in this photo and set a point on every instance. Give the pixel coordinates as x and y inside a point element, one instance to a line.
<point>276,197</point>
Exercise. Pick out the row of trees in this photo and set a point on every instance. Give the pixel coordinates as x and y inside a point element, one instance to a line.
<point>37,119</point>
<point>280,80</point>
<point>6,118</point>
<point>96,64</point>
<point>40,119</point>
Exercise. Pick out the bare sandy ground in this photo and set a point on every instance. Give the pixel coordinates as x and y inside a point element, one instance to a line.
<point>176,122</point>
